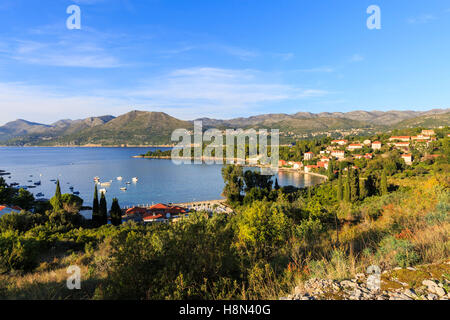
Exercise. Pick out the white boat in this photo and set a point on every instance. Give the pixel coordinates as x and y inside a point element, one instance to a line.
<point>105,184</point>
<point>123,188</point>
<point>135,179</point>
<point>102,191</point>
<point>119,178</point>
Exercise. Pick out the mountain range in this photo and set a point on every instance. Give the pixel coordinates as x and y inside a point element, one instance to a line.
<point>155,128</point>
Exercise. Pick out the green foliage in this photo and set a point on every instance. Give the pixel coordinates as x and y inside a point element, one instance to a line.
<point>340,188</point>
<point>56,200</point>
<point>262,229</point>
<point>233,178</point>
<point>96,219</point>
<point>116,213</point>
<point>103,210</point>
<point>383,183</point>
<point>17,252</point>
<point>402,250</point>
<point>24,199</point>
<point>167,262</point>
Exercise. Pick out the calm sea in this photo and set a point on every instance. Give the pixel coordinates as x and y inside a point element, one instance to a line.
<point>159,180</point>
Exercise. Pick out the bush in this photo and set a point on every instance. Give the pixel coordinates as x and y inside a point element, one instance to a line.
<point>401,250</point>
<point>17,252</point>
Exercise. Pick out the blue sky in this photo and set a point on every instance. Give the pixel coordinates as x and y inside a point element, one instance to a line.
<point>221,58</point>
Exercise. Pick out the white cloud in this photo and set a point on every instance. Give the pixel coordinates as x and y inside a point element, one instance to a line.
<point>357,58</point>
<point>217,89</point>
<point>424,18</point>
<point>184,93</point>
<point>63,53</point>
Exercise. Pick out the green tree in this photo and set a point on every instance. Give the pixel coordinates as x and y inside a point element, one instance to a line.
<point>233,178</point>
<point>363,190</point>
<point>347,195</point>
<point>103,210</point>
<point>95,208</point>
<point>24,199</point>
<point>354,186</point>
<point>277,186</point>
<point>383,183</point>
<point>340,191</point>
<point>330,170</point>
<point>56,200</point>
<point>116,213</point>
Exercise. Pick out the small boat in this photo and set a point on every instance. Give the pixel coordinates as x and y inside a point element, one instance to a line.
<point>102,190</point>
<point>119,178</point>
<point>128,182</point>
<point>53,180</point>
<point>31,187</point>
<point>105,184</point>
<point>71,188</point>
<point>135,179</point>
<point>30,180</point>
<point>123,188</point>
<point>76,193</point>
<point>40,195</point>
<point>37,183</point>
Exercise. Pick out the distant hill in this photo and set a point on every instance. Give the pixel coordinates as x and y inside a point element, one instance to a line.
<point>21,127</point>
<point>155,128</point>
<point>427,121</point>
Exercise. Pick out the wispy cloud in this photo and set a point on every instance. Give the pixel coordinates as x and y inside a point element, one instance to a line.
<point>186,93</point>
<point>421,19</point>
<point>217,88</point>
<point>324,69</point>
<point>63,54</point>
<point>356,58</point>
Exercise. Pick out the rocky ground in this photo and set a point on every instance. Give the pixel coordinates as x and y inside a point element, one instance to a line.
<point>428,282</point>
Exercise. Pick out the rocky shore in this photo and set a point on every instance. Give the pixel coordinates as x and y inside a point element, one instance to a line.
<point>428,282</point>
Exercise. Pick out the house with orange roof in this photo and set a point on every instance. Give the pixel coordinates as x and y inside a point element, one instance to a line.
<point>400,138</point>
<point>376,145</point>
<point>354,146</point>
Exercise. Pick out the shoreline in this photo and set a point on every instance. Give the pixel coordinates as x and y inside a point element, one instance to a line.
<point>92,146</point>
<point>247,165</point>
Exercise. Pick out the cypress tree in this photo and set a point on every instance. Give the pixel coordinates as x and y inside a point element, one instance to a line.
<point>277,186</point>
<point>347,187</point>
<point>116,213</point>
<point>56,201</point>
<point>103,210</point>
<point>363,191</point>
<point>354,188</point>
<point>95,208</point>
<point>340,192</point>
<point>383,183</point>
<point>330,172</point>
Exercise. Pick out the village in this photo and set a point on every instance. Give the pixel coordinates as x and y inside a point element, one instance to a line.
<point>345,150</point>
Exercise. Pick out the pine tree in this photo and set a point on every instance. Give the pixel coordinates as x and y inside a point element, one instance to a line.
<point>277,186</point>
<point>116,213</point>
<point>95,208</point>
<point>103,210</point>
<point>383,183</point>
<point>56,201</point>
<point>340,192</point>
